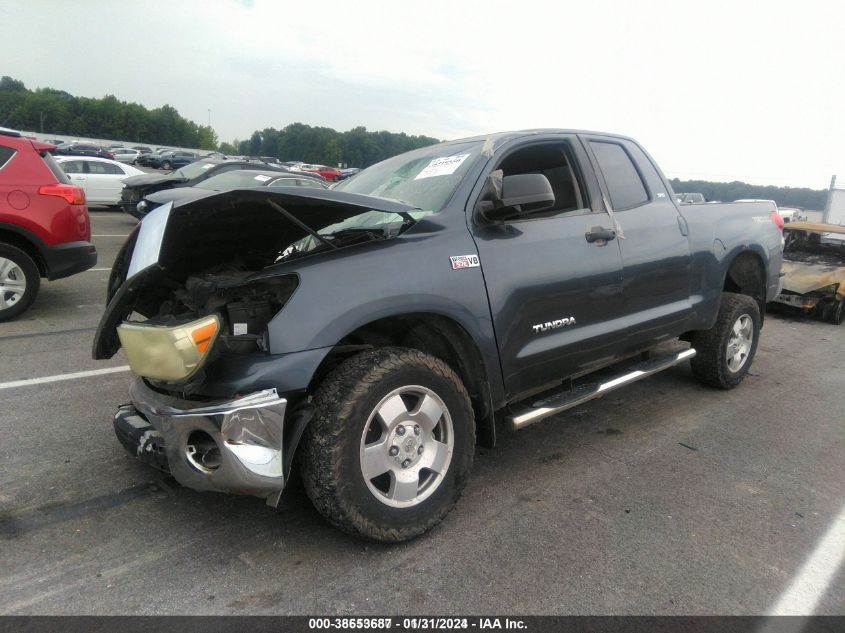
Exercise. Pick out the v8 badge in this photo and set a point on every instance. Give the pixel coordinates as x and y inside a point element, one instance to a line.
<point>464,261</point>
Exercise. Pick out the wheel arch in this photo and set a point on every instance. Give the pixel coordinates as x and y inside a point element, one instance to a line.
<point>434,334</point>
<point>20,239</point>
<point>746,274</point>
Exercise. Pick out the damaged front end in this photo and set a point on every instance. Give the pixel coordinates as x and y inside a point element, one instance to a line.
<point>190,297</point>
<point>814,270</point>
<point>234,446</point>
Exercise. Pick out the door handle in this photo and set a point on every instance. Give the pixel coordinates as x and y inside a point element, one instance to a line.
<point>599,235</point>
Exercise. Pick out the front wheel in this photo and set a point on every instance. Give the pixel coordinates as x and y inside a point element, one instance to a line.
<point>19,281</point>
<point>166,165</point>
<point>834,311</point>
<point>725,351</point>
<point>390,447</point>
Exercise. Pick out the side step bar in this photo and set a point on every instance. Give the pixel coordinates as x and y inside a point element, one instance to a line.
<point>557,403</point>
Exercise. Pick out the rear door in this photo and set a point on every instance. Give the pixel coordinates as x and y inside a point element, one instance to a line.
<point>555,297</point>
<point>655,249</point>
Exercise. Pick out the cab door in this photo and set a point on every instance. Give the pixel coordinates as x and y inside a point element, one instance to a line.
<point>655,249</point>
<point>555,293</point>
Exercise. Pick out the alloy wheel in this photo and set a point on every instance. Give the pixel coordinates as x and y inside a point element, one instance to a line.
<point>739,342</point>
<point>406,446</point>
<point>12,283</point>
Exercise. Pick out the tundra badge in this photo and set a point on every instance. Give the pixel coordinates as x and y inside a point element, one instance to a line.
<point>553,325</point>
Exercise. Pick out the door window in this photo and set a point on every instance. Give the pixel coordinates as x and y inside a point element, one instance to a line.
<point>73,167</point>
<point>624,185</point>
<point>104,168</point>
<point>555,162</point>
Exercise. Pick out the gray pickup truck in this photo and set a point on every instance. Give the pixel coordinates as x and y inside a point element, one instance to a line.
<point>371,334</point>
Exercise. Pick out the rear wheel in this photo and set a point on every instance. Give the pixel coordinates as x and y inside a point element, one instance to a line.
<point>391,444</point>
<point>725,351</point>
<point>166,165</point>
<point>19,281</point>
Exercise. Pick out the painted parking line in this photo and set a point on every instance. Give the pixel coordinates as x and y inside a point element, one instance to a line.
<point>96,270</point>
<point>79,374</point>
<point>813,580</point>
<point>109,235</point>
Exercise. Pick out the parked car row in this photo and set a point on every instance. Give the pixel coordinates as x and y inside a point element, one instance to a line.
<point>82,149</point>
<point>227,180</point>
<point>135,199</point>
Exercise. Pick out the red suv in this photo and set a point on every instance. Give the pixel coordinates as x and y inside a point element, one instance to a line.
<point>44,226</point>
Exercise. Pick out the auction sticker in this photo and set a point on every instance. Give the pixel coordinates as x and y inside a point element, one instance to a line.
<point>442,166</point>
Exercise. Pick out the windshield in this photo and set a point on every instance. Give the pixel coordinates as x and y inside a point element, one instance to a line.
<point>192,170</point>
<point>425,178</point>
<point>363,227</point>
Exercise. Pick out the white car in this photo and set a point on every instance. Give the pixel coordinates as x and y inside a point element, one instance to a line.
<point>126,155</point>
<point>102,179</point>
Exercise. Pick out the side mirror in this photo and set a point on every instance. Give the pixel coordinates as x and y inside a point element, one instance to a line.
<point>515,195</point>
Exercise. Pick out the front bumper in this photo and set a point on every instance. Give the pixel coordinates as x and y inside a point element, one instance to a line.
<point>233,446</point>
<point>802,302</point>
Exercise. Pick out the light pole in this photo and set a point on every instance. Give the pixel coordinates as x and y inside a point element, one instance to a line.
<point>209,117</point>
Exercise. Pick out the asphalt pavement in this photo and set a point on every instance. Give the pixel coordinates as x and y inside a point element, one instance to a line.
<point>662,498</point>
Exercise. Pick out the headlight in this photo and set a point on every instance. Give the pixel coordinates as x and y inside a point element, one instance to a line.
<point>168,353</point>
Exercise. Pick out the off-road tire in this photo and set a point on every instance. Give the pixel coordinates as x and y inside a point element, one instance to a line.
<point>710,365</point>
<point>33,280</point>
<point>330,450</point>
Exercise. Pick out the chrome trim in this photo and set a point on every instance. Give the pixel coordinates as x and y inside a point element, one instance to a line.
<point>579,395</point>
<point>248,433</point>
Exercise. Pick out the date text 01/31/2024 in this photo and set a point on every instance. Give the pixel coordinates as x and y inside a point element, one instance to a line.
<point>412,624</point>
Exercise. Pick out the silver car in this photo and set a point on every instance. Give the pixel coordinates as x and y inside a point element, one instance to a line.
<point>126,155</point>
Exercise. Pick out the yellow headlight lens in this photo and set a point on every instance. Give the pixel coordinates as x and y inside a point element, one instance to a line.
<point>168,352</point>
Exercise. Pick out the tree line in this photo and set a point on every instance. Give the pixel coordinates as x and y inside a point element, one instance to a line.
<point>322,145</point>
<point>51,111</point>
<point>802,197</point>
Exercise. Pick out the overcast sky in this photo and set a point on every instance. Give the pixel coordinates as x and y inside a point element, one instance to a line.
<point>751,91</point>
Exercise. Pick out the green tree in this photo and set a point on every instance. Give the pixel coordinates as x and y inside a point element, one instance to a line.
<point>802,197</point>
<point>55,111</point>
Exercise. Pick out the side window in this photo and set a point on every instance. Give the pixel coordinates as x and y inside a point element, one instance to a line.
<point>6,154</point>
<point>555,162</point>
<point>104,168</point>
<point>624,184</point>
<point>73,166</point>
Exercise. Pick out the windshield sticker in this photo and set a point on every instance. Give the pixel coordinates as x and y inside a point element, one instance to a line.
<point>262,178</point>
<point>442,166</point>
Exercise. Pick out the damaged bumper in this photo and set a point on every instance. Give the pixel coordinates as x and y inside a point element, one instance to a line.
<point>233,446</point>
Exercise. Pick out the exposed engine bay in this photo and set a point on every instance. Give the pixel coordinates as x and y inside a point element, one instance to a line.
<point>226,255</point>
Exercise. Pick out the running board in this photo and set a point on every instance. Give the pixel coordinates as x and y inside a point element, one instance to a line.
<point>557,403</point>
